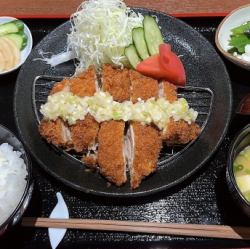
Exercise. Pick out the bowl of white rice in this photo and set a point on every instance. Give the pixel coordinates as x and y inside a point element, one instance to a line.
<point>15,179</point>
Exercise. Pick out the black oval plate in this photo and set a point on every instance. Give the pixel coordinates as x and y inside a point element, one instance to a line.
<point>203,67</point>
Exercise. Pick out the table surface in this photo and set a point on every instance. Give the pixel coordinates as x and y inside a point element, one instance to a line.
<point>63,8</point>
<point>203,198</point>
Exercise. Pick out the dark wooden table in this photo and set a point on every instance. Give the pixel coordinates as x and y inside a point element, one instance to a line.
<point>63,8</point>
<point>181,204</point>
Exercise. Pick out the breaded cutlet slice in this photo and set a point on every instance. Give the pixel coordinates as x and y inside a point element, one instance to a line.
<point>85,83</point>
<point>168,91</point>
<point>180,132</point>
<point>82,85</point>
<point>110,155</point>
<point>176,132</point>
<point>116,82</point>
<point>143,143</point>
<point>84,133</point>
<point>142,87</point>
<point>90,160</point>
<point>55,132</point>
<point>63,85</point>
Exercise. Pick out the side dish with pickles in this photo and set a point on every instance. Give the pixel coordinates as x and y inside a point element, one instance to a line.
<point>12,41</point>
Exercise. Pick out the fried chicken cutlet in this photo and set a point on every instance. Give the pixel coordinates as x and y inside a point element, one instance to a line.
<point>142,87</point>
<point>116,82</point>
<point>82,85</point>
<point>145,144</point>
<point>176,132</point>
<point>180,132</point>
<point>110,157</point>
<point>83,133</point>
<point>168,91</point>
<point>55,132</point>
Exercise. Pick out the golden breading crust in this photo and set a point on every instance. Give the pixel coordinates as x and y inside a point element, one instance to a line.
<point>147,146</point>
<point>142,87</point>
<point>52,131</point>
<point>180,132</point>
<point>110,152</point>
<point>169,91</point>
<point>84,133</point>
<point>90,161</point>
<point>177,132</point>
<point>116,82</point>
<point>82,85</point>
<point>60,86</point>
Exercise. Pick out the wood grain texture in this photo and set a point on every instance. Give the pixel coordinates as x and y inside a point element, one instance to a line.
<point>63,8</point>
<point>194,230</point>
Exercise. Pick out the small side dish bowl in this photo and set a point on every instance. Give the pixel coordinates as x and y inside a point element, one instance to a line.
<point>234,19</point>
<point>22,197</point>
<point>26,51</point>
<point>241,141</point>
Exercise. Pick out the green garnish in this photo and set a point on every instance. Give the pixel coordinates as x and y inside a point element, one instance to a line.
<point>237,168</point>
<point>238,39</point>
<point>241,29</point>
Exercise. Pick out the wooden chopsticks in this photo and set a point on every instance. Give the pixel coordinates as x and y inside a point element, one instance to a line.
<point>194,230</point>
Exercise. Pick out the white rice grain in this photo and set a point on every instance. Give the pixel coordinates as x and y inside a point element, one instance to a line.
<point>13,175</point>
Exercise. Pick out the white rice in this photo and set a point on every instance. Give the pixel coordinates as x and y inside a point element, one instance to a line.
<point>13,174</point>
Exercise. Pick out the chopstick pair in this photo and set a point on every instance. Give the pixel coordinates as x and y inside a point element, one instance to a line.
<point>194,230</point>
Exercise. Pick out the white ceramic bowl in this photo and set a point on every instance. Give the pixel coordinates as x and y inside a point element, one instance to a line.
<point>26,51</point>
<point>234,19</point>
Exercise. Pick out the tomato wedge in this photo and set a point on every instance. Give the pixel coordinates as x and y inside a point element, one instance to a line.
<point>166,65</point>
<point>172,65</point>
<point>151,67</point>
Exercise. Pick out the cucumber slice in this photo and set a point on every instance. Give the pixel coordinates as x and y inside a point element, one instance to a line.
<point>140,43</point>
<point>20,39</point>
<point>152,34</point>
<point>132,55</point>
<point>11,27</point>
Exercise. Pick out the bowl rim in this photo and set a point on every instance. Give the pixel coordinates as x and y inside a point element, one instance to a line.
<point>239,137</point>
<point>29,34</point>
<point>29,184</point>
<point>224,52</point>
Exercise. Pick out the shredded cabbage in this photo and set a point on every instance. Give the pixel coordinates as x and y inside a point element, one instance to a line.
<point>101,29</point>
